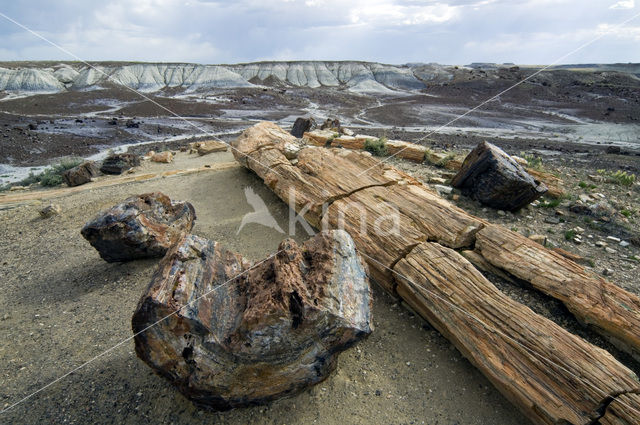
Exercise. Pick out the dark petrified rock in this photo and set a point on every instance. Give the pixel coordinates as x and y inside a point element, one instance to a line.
<point>495,179</point>
<point>331,124</point>
<point>119,163</point>
<point>81,174</point>
<point>245,335</point>
<point>142,226</point>
<point>302,125</point>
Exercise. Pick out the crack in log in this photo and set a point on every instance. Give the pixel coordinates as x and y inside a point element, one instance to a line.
<point>601,410</point>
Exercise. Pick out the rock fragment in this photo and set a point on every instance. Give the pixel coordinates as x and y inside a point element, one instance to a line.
<point>246,335</point>
<point>81,174</point>
<point>119,163</point>
<point>165,157</point>
<point>302,125</point>
<point>142,226</point>
<point>489,175</point>
<point>210,146</point>
<point>50,210</point>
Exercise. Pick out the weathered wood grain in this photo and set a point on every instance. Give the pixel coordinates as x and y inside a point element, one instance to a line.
<point>552,375</point>
<point>609,309</point>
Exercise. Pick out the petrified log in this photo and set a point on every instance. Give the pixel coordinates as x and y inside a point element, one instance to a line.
<point>609,309</point>
<point>552,375</point>
<point>493,178</point>
<point>81,174</point>
<point>142,226</point>
<point>119,163</point>
<point>355,188</point>
<point>210,146</point>
<point>302,125</point>
<point>165,157</point>
<point>245,335</point>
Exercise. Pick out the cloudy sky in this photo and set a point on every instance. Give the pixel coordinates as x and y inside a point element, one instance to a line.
<point>390,31</point>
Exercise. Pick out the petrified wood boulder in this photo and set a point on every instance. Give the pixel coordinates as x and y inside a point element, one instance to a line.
<point>489,175</point>
<point>119,163</point>
<point>302,125</point>
<point>246,335</point>
<point>142,226</point>
<point>81,174</point>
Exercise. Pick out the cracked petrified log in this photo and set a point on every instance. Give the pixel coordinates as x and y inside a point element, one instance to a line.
<point>244,335</point>
<point>495,179</point>
<point>537,365</point>
<point>142,226</point>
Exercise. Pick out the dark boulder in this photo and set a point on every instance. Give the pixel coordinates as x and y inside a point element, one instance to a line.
<point>245,335</point>
<point>302,125</point>
<point>119,163</point>
<point>142,226</point>
<point>81,174</point>
<point>492,177</point>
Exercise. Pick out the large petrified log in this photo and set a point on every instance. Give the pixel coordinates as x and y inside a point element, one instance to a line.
<point>612,311</point>
<point>551,375</point>
<point>142,226</point>
<point>492,177</point>
<point>238,335</point>
<point>355,188</point>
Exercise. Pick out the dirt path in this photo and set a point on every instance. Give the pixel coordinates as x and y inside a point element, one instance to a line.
<point>61,305</point>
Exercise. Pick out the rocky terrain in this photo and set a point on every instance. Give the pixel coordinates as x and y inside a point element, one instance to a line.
<point>578,123</point>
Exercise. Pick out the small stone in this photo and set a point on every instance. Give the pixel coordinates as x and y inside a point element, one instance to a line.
<point>600,244</point>
<point>437,180</point>
<point>551,220</point>
<point>578,229</point>
<point>441,189</point>
<point>165,157</point>
<point>577,240</point>
<point>455,197</point>
<point>607,272</point>
<point>541,239</point>
<point>624,244</point>
<point>609,250</point>
<point>613,239</point>
<point>585,198</point>
<point>210,146</point>
<point>50,211</point>
<point>502,213</point>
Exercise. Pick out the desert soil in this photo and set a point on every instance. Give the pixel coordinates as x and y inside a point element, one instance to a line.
<point>62,305</point>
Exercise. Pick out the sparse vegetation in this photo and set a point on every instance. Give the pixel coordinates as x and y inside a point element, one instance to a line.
<point>376,147</point>
<point>619,177</point>
<point>534,162</point>
<point>627,213</point>
<point>51,176</point>
<point>570,234</point>
<point>443,162</point>
<point>586,185</point>
<point>551,203</point>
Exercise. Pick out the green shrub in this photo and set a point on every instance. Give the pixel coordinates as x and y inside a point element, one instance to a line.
<point>51,176</point>
<point>376,147</point>
<point>569,234</point>
<point>622,178</point>
<point>534,162</point>
<point>552,203</point>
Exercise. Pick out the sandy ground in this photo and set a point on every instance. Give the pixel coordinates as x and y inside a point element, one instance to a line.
<point>61,305</point>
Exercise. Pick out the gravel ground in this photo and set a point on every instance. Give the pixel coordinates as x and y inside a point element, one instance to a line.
<point>62,305</point>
